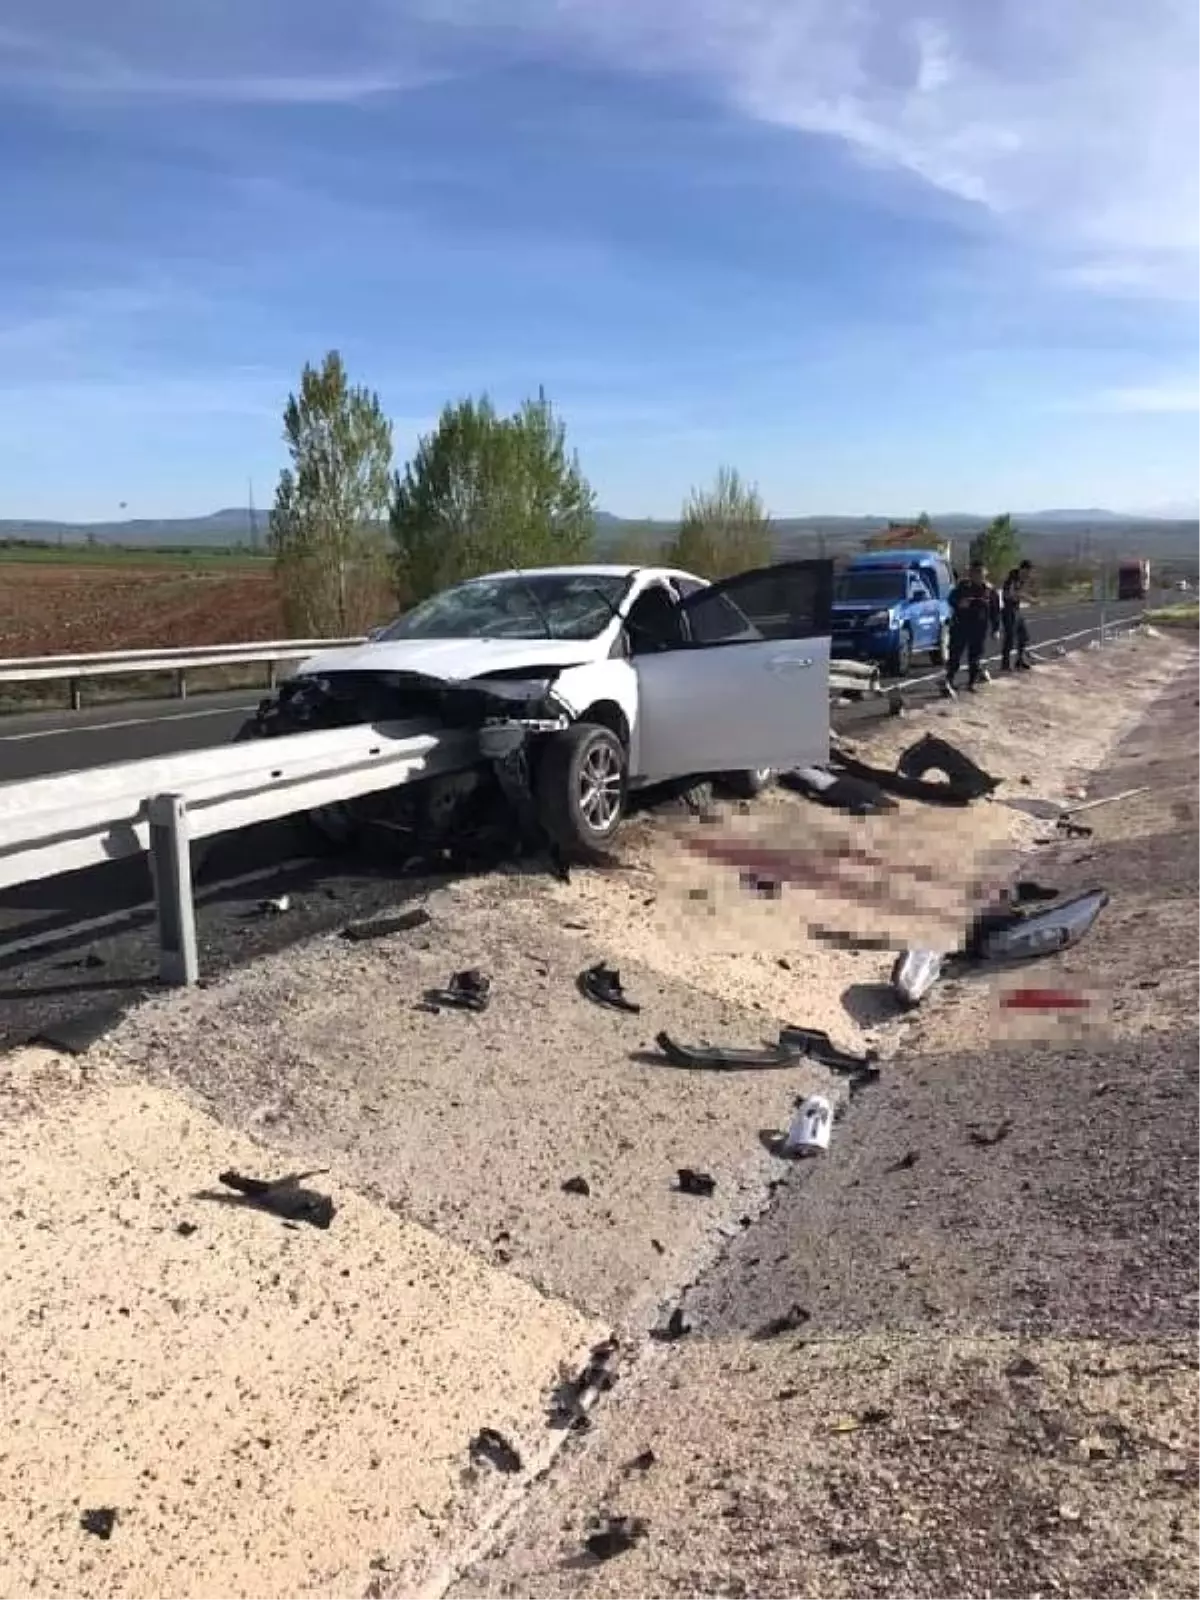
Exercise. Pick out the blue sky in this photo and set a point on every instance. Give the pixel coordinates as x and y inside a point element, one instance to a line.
<point>881,257</point>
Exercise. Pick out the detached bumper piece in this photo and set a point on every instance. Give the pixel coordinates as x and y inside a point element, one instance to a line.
<point>467,991</point>
<point>602,984</point>
<point>964,781</point>
<point>728,1058</point>
<point>1005,934</point>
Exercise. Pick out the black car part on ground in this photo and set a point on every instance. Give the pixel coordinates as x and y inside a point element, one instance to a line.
<point>469,990</point>
<point>729,1058</point>
<point>1004,933</point>
<point>381,927</point>
<point>938,794</point>
<point>602,984</point>
<point>491,1447</point>
<point>818,1046</point>
<point>689,1181</point>
<point>931,754</point>
<point>285,1198</point>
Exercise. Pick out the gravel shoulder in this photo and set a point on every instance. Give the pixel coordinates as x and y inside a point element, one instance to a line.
<point>459,1282</point>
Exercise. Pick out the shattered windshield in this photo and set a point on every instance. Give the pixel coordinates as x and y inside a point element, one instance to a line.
<point>558,605</point>
<point>882,585</point>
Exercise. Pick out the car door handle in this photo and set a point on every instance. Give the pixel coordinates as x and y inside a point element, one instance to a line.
<point>789,663</point>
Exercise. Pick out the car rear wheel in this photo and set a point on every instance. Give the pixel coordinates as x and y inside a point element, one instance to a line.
<point>940,654</point>
<point>581,786</point>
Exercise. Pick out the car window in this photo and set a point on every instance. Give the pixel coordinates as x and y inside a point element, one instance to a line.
<point>884,585</point>
<point>790,600</point>
<point>558,605</point>
<point>688,586</point>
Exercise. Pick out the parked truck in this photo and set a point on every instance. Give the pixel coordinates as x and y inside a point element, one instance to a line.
<point>1133,580</point>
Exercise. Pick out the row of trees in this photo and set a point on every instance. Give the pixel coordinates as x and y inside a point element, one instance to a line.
<point>483,491</point>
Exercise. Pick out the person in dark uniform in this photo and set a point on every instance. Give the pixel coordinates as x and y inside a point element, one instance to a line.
<point>1016,630</point>
<point>974,613</point>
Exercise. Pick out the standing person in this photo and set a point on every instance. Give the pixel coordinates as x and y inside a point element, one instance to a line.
<point>1016,630</point>
<point>974,613</point>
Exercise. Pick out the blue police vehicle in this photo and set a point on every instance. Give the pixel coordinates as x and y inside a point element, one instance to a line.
<point>890,605</point>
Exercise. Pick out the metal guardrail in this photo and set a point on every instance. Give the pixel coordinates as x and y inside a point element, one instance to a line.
<point>84,819</point>
<point>75,670</point>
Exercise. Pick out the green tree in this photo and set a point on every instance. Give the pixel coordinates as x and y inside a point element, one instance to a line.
<point>998,547</point>
<point>326,531</point>
<point>485,492</point>
<point>722,530</point>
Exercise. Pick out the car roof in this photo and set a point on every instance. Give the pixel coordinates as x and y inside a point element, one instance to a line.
<point>894,558</point>
<point>588,570</point>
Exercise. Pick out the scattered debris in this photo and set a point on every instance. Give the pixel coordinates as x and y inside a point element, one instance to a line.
<point>602,984</point>
<point>470,990</point>
<point>950,793</point>
<point>791,1321</point>
<point>1074,830</point>
<point>380,927</point>
<point>614,1535</point>
<point>914,973</point>
<point>991,1136</point>
<point>576,1393</point>
<point>810,1127</point>
<point>88,963</point>
<point>658,1247</point>
<point>185,1230</point>
<point>861,798</point>
<point>734,1059</point>
<point>931,754</point>
<point>688,1181</point>
<point>675,1327</point>
<point>285,1197</point>
<point>818,1046</point>
<point>870,1418</point>
<point>1026,892</point>
<point>492,1447</point>
<point>100,1522</point>
<point>577,1186</point>
<point>275,905</point>
<point>1022,1367</point>
<point>906,1161</point>
<point>642,1462</point>
<point>1106,800</point>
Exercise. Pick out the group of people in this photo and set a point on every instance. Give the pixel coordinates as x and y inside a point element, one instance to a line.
<point>977,610</point>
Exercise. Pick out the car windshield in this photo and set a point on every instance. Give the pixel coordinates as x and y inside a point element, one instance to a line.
<point>881,585</point>
<point>558,605</point>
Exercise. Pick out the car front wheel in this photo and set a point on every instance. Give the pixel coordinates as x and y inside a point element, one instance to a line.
<point>580,788</point>
<point>901,657</point>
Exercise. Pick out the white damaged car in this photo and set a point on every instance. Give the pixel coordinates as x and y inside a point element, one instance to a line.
<point>586,682</point>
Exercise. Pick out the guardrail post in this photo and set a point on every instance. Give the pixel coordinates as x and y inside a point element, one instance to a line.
<point>75,691</point>
<point>181,684</point>
<point>171,866</point>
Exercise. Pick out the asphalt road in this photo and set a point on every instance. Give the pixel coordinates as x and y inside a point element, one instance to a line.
<point>86,941</point>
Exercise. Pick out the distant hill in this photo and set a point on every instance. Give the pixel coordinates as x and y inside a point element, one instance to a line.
<point>1052,534</point>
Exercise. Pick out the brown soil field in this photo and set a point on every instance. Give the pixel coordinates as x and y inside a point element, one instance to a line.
<point>51,610</point>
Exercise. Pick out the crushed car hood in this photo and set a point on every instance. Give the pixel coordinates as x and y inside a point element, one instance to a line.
<point>456,659</point>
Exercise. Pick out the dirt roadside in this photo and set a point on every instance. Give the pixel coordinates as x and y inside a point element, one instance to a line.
<point>457,1276</point>
<point>991,1388</point>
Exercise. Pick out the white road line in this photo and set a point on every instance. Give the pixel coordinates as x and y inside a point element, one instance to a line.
<point>37,941</point>
<point>127,722</point>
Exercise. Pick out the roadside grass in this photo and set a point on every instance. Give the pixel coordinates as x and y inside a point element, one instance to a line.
<point>1179,616</point>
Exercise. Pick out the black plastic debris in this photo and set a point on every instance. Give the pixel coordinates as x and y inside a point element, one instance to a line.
<point>1074,830</point>
<point>100,1522</point>
<point>906,1162</point>
<point>490,1447</point>
<point>381,927</point>
<point>576,1185</point>
<point>1027,892</point>
<point>675,1327</point>
<point>642,1462</point>
<point>470,990</point>
<point>1022,1367</point>
<point>614,1535</point>
<point>818,1046</point>
<point>689,1181</point>
<point>709,1056</point>
<point>87,963</point>
<point>931,754</point>
<point>285,1198</point>
<point>990,1136</point>
<point>185,1230</point>
<point>909,788</point>
<point>602,984</point>
<point>791,1321</point>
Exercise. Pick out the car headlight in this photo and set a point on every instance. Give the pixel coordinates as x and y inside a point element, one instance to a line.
<point>879,619</point>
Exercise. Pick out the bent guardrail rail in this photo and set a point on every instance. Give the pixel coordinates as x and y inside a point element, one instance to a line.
<point>75,669</point>
<point>157,807</point>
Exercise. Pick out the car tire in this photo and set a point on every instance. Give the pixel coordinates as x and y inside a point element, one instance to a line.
<point>580,789</point>
<point>941,653</point>
<point>900,659</point>
<point>748,785</point>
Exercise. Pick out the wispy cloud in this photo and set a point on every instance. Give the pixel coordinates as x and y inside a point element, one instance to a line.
<point>1073,124</point>
<point>1151,399</point>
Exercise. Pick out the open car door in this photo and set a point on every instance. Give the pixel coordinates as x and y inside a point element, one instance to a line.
<point>749,685</point>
